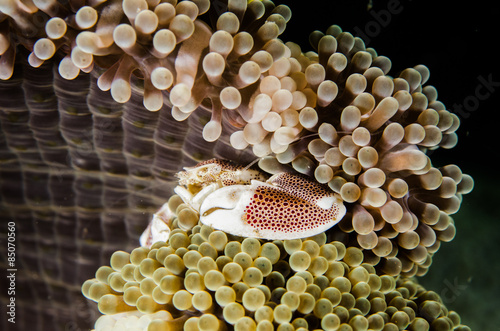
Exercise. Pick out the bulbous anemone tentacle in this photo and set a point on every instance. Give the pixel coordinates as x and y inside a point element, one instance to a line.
<point>204,276</point>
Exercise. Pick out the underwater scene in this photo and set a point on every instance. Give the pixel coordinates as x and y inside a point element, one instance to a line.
<point>249,165</point>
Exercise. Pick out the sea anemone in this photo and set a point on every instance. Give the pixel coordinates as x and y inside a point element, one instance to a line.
<point>334,114</point>
<point>204,279</point>
<point>117,96</point>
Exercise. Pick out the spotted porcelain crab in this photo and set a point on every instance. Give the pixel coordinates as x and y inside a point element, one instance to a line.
<point>243,202</point>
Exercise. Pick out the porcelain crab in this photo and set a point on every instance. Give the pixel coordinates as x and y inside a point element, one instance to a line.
<point>244,202</point>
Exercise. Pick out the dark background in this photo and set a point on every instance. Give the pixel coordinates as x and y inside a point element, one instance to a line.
<point>457,42</point>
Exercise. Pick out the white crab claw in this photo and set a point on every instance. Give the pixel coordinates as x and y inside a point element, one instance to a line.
<point>224,209</point>
<point>268,211</point>
<point>195,201</point>
<point>158,229</point>
<point>201,196</point>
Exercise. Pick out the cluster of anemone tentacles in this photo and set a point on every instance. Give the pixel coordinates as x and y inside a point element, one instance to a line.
<point>205,279</point>
<point>334,114</point>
